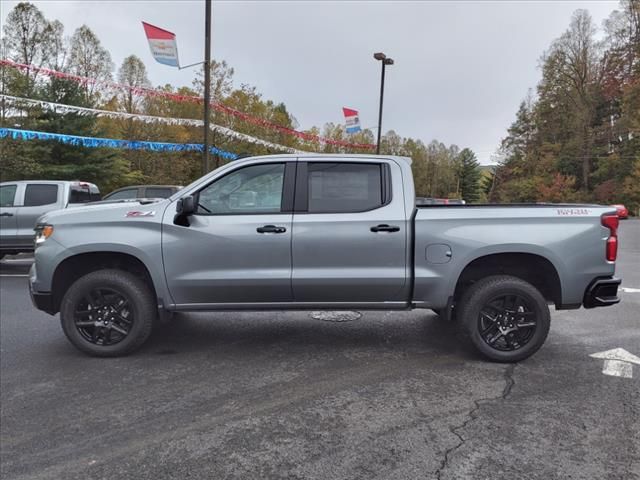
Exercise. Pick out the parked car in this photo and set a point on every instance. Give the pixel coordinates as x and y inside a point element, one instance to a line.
<point>321,232</point>
<point>623,212</point>
<point>22,202</point>
<point>143,191</point>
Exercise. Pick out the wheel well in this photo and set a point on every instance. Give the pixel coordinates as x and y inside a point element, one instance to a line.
<point>77,266</point>
<point>536,270</point>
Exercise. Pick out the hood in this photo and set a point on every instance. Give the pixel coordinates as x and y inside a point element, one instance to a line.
<point>97,212</point>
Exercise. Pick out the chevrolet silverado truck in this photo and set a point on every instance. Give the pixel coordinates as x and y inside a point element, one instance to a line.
<point>321,232</point>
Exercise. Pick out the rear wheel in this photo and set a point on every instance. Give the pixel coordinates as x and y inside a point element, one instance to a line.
<point>506,318</point>
<point>108,313</point>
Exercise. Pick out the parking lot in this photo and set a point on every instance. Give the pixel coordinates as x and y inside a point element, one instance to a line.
<point>286,395</point>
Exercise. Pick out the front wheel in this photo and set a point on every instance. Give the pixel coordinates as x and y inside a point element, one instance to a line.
<point>506,318</point>
<point>108,313</point>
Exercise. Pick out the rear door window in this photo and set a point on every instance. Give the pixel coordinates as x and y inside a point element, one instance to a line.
<point>7,195</point>
<point>40,194</point>
<point>344,187</point>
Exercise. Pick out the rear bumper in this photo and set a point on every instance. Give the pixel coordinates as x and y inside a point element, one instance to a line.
<point>602,292</point>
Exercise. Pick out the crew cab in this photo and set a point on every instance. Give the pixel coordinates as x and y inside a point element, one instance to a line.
<point>321,232</point>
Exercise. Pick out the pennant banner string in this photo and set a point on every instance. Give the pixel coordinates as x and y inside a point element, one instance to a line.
<point>94,142</point>
<point>18,102</point>
<point>150,92</point>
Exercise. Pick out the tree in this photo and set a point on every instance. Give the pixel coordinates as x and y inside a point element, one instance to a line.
<point>132,73</point>
<point>56,45</point>
<point>32,40</point>
<point>88,58</point>
<point>469,176</point>
<point>569,94</point>
<point>52,160</point>
<point>631,189</point>
<point>577,140</point>
<point>221,84</point>
<point>221,80</point>
<point>25,32</point>
<point>392,144</point>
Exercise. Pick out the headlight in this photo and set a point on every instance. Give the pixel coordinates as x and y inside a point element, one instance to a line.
<point>43,231</point>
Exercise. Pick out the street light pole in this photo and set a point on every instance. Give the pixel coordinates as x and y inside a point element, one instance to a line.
<point>380,109</point>
<point>207,81</point>
<point>385,61</point>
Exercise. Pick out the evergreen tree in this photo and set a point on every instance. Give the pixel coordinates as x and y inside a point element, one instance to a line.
<point>469,176</point>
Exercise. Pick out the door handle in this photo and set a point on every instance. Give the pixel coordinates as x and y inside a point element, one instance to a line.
<point>385,228</point>
<point>6,214</point>
<point>271,229</point>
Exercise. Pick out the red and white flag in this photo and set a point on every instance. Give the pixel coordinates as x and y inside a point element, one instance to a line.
<point>352,120</point>
<point>162,44</point>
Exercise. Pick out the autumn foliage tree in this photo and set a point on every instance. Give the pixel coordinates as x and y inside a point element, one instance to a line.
<point>578,139</point>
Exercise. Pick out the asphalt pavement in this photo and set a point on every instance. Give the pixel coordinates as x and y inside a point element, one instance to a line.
<point>286,395</point>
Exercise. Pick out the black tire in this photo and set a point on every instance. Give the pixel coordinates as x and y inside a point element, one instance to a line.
<point>91,301</point>
<point>503,332</point>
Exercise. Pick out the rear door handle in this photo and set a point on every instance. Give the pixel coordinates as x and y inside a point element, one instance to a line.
<point>6,214</point>
<point>271,229</point>
<point>385,228</point>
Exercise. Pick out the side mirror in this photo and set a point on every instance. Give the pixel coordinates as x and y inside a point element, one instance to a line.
<point>186,206</point>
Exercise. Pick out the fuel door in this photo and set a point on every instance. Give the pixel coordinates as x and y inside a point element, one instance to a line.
<point>438,253</point>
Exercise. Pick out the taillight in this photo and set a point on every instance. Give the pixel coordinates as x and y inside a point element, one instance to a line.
<point>611,221</point>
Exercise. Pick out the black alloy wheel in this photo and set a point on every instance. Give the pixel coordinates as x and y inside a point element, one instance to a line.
<point>108,313</point>
<point>103,316</point>
<point>507,322</point>
<point>506,318</point>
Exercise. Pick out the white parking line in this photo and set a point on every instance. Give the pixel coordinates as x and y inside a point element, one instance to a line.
<point>630,290</point>
<point>12,275</point>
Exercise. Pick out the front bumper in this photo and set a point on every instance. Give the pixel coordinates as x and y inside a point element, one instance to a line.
<point>602,292</point>
<point>41,300</point>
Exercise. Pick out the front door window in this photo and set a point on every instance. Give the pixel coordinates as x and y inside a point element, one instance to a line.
<point>251,190</point>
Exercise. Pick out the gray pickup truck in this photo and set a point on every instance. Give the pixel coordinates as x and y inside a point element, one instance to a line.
<point>321,232</point>
<point>23,202</point>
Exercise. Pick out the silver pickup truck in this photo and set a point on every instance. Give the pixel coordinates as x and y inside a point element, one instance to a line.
<point>321,232</point>
<point>23,202</point>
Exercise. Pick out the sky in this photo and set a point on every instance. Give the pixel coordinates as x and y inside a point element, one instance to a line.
<point>461,67</point>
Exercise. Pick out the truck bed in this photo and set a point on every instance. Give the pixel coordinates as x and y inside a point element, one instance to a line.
<point>450,237</point>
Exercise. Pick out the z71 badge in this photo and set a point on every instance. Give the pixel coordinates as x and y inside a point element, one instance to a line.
<point>138,213</point>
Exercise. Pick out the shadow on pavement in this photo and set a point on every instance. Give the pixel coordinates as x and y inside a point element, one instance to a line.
<point>242,333</point>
